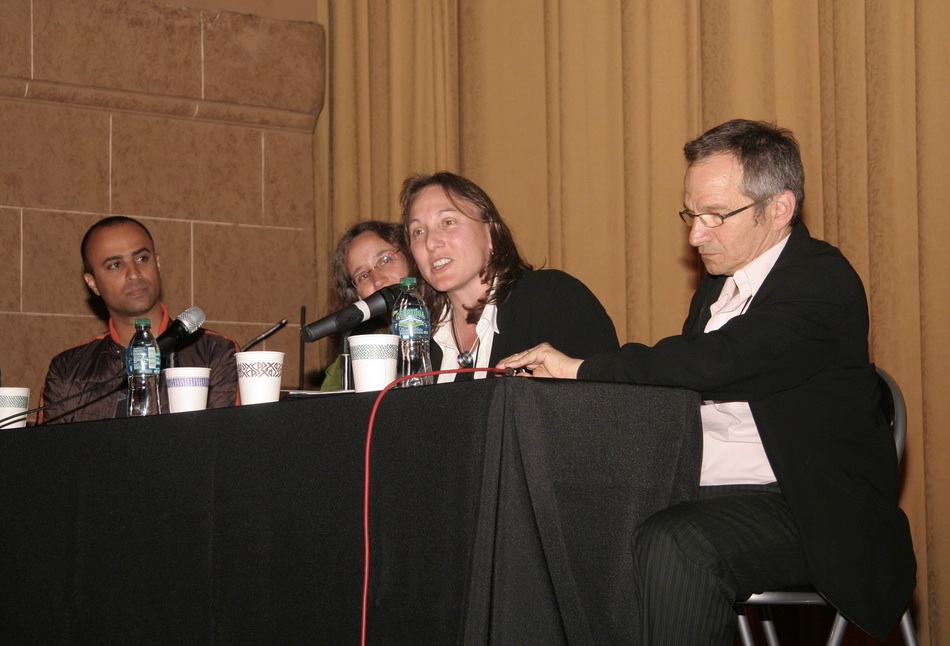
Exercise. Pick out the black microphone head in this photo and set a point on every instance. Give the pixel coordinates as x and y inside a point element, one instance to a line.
<point>390,294</point>
<point>378,303</point>
<point>192,318</point>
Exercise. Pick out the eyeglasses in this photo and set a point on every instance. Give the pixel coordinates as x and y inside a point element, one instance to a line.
<point>384,260</point>
<point>713,220</point>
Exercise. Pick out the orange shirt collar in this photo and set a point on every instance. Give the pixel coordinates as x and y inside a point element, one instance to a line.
<point>161,328</point>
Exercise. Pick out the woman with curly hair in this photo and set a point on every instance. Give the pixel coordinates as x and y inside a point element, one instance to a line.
<point>369,256</point>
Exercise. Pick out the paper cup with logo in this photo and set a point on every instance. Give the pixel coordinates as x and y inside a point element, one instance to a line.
<point>187,388</point>
<point>259,375</point>
<point>13,400</point>
<point>373,357</point>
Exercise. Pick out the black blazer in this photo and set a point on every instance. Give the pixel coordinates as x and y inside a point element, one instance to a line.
<point>549,305</point>
<point>799,356</point>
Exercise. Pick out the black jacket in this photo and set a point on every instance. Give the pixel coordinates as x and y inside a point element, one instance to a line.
<point>102,358</point>
<point>799,357</point>
<point>549,305</point>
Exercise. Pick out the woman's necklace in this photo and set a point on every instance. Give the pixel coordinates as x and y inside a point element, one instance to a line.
<point>466,359</point>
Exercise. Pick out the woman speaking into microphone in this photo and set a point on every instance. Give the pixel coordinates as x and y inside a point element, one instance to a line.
<point>486,302</point>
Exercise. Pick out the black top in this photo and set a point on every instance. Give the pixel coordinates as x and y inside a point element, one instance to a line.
<point>799,357</point>
<point>549,305</point>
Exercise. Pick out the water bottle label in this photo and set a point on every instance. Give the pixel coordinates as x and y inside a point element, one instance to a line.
<point>411,322</point>
<point>144,360</point>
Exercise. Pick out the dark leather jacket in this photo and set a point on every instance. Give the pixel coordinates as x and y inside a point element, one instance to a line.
<point>102,360</point>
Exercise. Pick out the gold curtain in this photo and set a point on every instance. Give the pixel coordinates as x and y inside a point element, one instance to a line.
<point>572,115</point>
<point>392,109</point>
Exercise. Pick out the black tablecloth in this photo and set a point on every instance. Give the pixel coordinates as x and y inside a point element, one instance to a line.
<point>501,511</point>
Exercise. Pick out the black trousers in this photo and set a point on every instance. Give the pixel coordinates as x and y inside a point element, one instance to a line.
<point>694,560</point>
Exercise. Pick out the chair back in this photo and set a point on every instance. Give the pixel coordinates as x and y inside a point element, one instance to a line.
<point>892,402</point>
<point>895,410</point>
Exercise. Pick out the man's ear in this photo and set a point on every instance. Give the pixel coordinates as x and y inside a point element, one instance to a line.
<point>91,283</point>
<point>782,208</point>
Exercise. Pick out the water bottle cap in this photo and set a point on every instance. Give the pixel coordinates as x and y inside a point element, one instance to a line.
<point>143,323</point>
<point>408,281</point>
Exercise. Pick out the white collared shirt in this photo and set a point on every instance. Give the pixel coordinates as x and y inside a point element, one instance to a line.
<point>732,447</point>
<point>486,328</point>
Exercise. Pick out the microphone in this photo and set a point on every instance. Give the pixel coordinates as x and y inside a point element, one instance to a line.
<point>349,317</point>
<point>265,335</point>
<point>181,328</point>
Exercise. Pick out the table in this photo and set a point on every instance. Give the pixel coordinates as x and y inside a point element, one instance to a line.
<point>501,511</point>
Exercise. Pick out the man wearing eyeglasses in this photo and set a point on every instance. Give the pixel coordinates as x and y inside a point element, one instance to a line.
<point>798,483</point>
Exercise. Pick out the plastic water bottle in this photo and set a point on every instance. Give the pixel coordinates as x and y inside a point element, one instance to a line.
<point>411,323</point>
<point>143,362</point>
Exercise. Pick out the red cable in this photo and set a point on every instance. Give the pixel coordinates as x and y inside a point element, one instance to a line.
<point>369,440</point>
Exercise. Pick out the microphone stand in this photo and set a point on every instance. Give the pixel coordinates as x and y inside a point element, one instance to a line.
<point>301,349</point>
<point>345,364</point>
<point>261,337</point>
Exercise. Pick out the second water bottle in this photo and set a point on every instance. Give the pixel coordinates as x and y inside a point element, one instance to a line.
<point>411,323</point>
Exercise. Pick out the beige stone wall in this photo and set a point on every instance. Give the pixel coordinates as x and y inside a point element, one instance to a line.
<point>197,122</point>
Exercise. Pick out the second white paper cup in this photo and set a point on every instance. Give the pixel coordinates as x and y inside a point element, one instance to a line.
<point>373,357</point>
<point>259,375</point>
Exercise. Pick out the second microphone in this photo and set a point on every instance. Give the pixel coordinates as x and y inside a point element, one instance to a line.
<point>376,304</point>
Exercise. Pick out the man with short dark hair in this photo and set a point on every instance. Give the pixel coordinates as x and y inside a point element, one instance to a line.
<point>122,267</point>
<point>798,483</point>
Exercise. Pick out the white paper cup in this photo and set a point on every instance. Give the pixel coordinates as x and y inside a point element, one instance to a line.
<point>259,375</point>
<point>373,357</point>
<point>13,400</point>
<point>187,388</point>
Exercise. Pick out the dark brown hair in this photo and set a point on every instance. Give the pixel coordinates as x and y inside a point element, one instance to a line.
<point>504,267</point>
<point>342,291</point>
